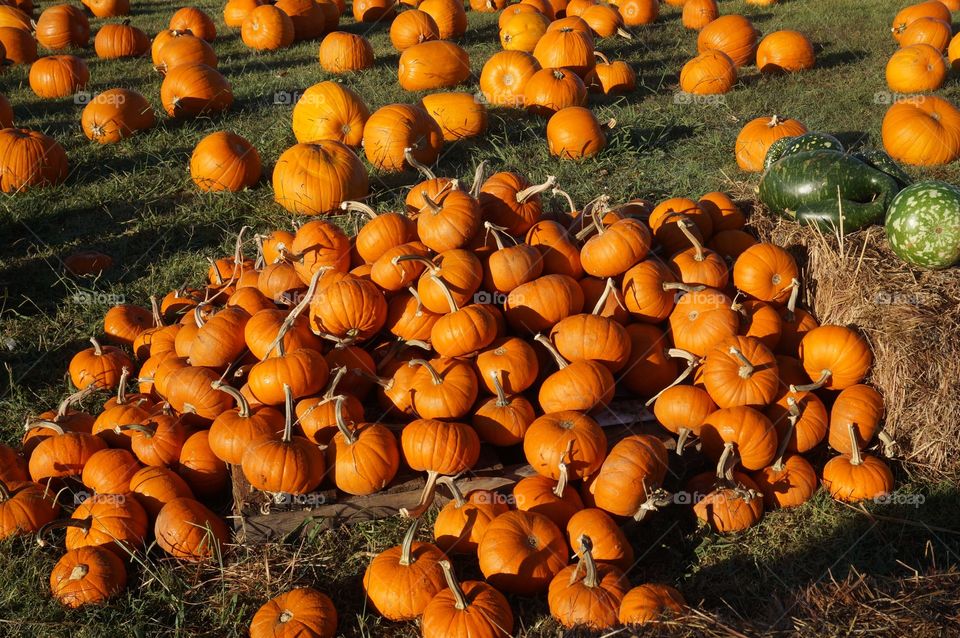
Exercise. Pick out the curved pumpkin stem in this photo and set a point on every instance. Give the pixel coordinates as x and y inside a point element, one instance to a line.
<point>155,310</point>
<point>43,423</point>
<point>656,499</point>
<point>412,161</point>
<point>746,368</point>
<point>682,435</point>
<point>446,293</point>
<point>198,311</point>
<point>586,561</point>
<point>728,460</point>
<point>453,584</point>
<point>693,361</point>
<point>623,33</point>
<point>81,523</point>
<point>277,343</point>
<point>407,545</point>
<point>610,289</point>
<point>135,427</point>
<point>358,207</point>
<point>855,457</point>
<point>454,490</point>
<point>97,348</point>
<point>552,349</point>
<point>338,374</point>
<point>347,433</point>
<point>601,57</point>
<point>478,179</point>
<point>243,406</point>
<point>70,399</point>
<point>792,302</point>
<point>889,444</point>
<point>122,385</point>
<point>677,285</point>
<point>432,267</point>
<point>502,400</point>
<point>810,387</point>
<point>574,212</point>
<point>426,497</point>
<point>561,485</point>
<point>792,426</point>
<point>685,226</point>
<point>434,375</point>
<point>536,189</point>
<point>260,262</point>
<point>434,207</point>
<point>499,232</point>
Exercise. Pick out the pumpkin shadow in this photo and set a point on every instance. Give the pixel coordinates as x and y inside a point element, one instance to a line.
<point>836,59</point>
<point>853,140</point>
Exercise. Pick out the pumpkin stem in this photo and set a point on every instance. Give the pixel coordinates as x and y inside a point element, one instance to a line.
<point>561,485</point>
<point>338,374</point>
<point>47,425</point>
<point>407,545</point>
<point>656,499</point>
<point>446,293</point>
<point>135,427</point>
<point>685,227</point>
<point>288,414</point>
<point>358,207</point>
<point>889,444</point>
<point>586,559</point>
<point>623,33</point>
<point>432,267</point>
<point>76,397</point>
<point>243,406</point>
<point>80,523</point>
<point>434,375</point>
<point>452,486</point>
<point>792,302</point>
<point>692,362</point>
<point>573,207</point>
<point>412,161</point>
<point>79,572</point>
<point>97,349</point>
<point>727,462</point>
<point>216,271</point>
<point>277,343</point>
<point>610,289</point>
<point>155,309</point>
<point>810,387</point>
<point>855,457</point>
<point>238,253</point>
<point>610,124</point>
<point>536,189</point>
<point>198,317</point>
<point>122,386</point>
<point>502,400</point>
<point>746,368</point>
<point>434,207</point>
<point>601,57</point>
<point>4,492</point>
<point>453,584</point>
<point>682,435</point>
<point>260,261</point>
<point>676,285</point>
<point>478,179</point>
<point>791,427</point>
<point>499,232</point>
<point>776,120</point>
<point>546,343</point>
<point>426,497</point>
<point>348,435</point>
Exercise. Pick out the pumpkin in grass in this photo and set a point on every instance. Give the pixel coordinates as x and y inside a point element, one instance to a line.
<point>922,131</point>
<point>188,530</point>
<point>629,476</point>
<point>87,576</point>
<point>25,507</point>
<point>267,28</point>
<point>15,17</point>
<point>729,504</point>
<point>488,6</point>
<point>299,612</point>
<point>574,133</point>
<point>63,26</point>
<point>58,76</point>
<point>757,135</point>
<point>545,7</point>
<point>120,41</point>
<point>697,14</point>
<point>566,48</point>
<point>733,34</point>
<point>112,522</point>
<point>108,8</point>
<point>521,552</point>
<point>224,161</point>
<point>124,322</point>
<point>855,476</point>
<point>191,90</point>
<point>308,17</point>
<point>396,127</point>
<point>933,31</point>
<point>638,12</point>
<point>459,115</point>
<point>342,52</point>
<point>371,11</point>
<point>512,10</point>
<point>785,51</point>
<point>195,21</point>
<point>402,580</point>
<point>18,45</point>
<point>469,609</point>
<point>906,16</point>
<point>62,455</point>
<point>450,16</point>
<point>650,602</point>
<point>611,78</point>
<point>314,178</point>
<point>550,90</point>
<point>109,471</point>
<point>918,68</point>
<point>587,594</point>
<point>435,64</point>
<point>289,463</point>
<point>98,366</point>
<point>523,31</point>
<point>605,21</point>
<point>236,11</point>
<point>180,48</point>
<point>740,371</point>
<point>411,28</point>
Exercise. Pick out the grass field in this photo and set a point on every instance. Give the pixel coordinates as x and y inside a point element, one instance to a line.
<point>135,201</point>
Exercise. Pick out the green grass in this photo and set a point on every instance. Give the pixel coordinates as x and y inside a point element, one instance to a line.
<point>134,201</point>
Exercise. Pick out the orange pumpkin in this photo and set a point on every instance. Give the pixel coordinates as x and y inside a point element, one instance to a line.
<point>758,134</point>
<point>342,52</point>
<point>224,161</point>
<point>785,51</point>
<point>918,68</point>
<point>922,131</point>
<point>733,34</point>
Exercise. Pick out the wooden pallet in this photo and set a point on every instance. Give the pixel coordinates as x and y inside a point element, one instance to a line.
<point>259,517</point>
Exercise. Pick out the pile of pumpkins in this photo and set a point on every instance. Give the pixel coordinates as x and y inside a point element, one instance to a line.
<point>467,318</point>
